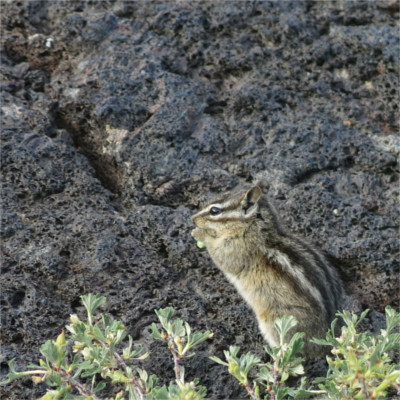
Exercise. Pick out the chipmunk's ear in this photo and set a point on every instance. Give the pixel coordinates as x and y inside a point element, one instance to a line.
<point>249,202</point>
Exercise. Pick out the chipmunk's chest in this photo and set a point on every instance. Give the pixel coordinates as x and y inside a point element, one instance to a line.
<point>255,286</point>
<point>230,254</point>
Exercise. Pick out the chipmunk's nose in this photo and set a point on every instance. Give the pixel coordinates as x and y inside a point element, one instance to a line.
<point>197,220</point>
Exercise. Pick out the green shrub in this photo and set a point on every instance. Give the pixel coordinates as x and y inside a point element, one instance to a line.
<point>271,376</point>
<point>100,353</point>
<point>362,367</point>
<point>95,353</point>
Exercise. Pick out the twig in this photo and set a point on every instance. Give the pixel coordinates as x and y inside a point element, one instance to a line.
<point>137,384</point>
<point>251,392</point>
<point>275,371</point>
<point>176,357</point>
<point>82,389</point>
<point>364,389</point>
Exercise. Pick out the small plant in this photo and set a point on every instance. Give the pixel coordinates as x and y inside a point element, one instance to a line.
<point>180,339</point>
<point>97,353</point>
<point>273,375</point>
<point>100,356</point>
<point>362,367</point>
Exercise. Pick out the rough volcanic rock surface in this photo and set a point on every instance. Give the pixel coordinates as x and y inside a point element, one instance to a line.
<point>119,117</point>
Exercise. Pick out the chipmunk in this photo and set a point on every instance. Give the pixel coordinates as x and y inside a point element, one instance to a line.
<point>276,272</point>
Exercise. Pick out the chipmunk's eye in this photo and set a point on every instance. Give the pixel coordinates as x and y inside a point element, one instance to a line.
<point>215,210</point>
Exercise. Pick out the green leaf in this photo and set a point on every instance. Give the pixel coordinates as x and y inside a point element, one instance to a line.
<point>392,319</point>
<point>143,374</point>
<point>218,360</point>
<point>265,374</point>
<point>297,370</point>
<point>177,328</point>
<point>13,374</point>
<point>97,333</point>
<point>126,352</point>
<point>362,316</point>
<point>148,381</point>
<point>92,371</point>
<point>198,337</point>
<point>321,342</point>
<point>82,367</point>
<point>188,330</point>
<point>49,351</point>
<point>393,342</point>
<point>387,382</point>
<point>247,362</point>
<point>376,354</point>
<point>284,325</point>
<point>151,383</point>
<point>54,379</point>
<point>333,324</point>
<point>302,393</point>
<point>100,386</point>
<point>269,350</point>
<point>118,376</point>
<point>330,387</point>
<point>160,393</point>
<point>280,392</point>
<point>77,358</point>
<point>53,353</point>
<point>165,316</point>
<point>92,302</point>
<point>284,376</point>
<point>297,343</point>
<point>233,351</point>
<point>155,333</point>
<point>137,354</point>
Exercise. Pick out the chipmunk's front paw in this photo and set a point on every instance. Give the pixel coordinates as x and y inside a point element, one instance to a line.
<point>199,235</point>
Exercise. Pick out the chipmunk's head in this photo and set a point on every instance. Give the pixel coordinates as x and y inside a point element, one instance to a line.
<point>231,212</point>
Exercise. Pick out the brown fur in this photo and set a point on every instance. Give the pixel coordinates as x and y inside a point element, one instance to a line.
<point>275,272</point>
